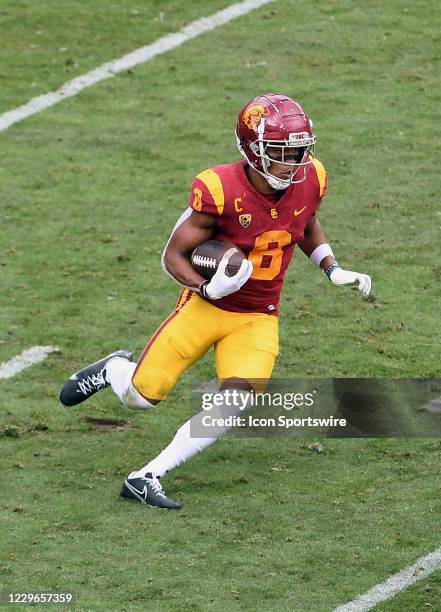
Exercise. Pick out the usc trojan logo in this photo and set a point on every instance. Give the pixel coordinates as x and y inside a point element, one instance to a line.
<point>254,114</point>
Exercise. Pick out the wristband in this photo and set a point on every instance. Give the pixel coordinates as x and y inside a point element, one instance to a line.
<point>330,269</point>
<point>319,253</point>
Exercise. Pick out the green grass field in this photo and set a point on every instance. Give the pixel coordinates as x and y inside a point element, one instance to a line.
<point>89,192</point>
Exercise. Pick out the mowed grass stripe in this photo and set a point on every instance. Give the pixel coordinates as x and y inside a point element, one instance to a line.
<point>139,56</point>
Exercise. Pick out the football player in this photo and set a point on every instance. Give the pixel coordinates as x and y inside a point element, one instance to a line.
<point>265,204</point>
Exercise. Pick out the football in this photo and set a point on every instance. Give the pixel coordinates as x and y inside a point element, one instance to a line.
<point>207,256</point>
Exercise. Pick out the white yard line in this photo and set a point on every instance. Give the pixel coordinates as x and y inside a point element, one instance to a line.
<point>34,355</point>
<point>396,583</point>
<point>139,56</point>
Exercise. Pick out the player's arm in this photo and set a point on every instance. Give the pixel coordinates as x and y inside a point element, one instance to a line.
<point>192,229</point>
<point>315,247</point>
<point>314,238</point>
<point>187,235</point>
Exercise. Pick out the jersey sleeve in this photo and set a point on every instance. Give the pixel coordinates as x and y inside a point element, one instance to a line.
<point>207,193</point>
<point>322,177</point>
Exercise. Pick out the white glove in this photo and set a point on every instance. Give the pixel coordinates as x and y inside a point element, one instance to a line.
<point>221,284</point>
<point>340,277</point>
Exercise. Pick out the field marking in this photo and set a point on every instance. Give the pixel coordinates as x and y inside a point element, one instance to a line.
<point>27,358</point>
<point>396,583</point>
<point>139,56</point>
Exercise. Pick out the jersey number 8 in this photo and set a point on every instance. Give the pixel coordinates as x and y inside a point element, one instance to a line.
<point>267,254</point>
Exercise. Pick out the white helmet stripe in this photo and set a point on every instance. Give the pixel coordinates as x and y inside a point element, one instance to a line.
<point>261,131</point>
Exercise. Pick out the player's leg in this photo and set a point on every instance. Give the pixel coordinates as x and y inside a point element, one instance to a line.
<point>144,384</point>
<point>171,350</point>
<point>188,441</point>
<point>247,350</point>
<point>119,375</point>
<point>91,379</point>
<point>248,354</point>
<point>182,339</point>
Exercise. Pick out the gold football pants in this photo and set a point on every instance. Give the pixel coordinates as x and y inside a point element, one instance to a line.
<point>245,345</point>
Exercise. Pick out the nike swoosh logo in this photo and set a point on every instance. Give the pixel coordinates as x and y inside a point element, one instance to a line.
<point>299,212</point>
<point>145,492</point>
<point>73,377</point>
<point>142,494</point>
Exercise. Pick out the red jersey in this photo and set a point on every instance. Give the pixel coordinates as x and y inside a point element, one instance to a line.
<point>266,229</point>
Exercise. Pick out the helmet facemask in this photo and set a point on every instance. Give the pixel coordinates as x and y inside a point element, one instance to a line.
<point>302,142</point>
<point>258,154</point>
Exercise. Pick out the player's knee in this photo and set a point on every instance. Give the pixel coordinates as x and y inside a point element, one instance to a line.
<point>152,383</point>
<point>144,394</point>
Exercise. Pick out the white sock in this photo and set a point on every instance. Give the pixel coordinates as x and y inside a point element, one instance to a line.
<point>119,374</point>
<point>183,447</point>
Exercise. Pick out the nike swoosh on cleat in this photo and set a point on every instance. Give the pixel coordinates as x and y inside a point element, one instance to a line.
<point>73,377</point>
<point>142,495</point>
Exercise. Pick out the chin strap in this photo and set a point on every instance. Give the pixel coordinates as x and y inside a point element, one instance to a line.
<point>276,183</point>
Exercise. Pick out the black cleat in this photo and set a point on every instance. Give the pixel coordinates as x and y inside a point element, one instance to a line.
<point>86,382</point>
<point>148,490</point>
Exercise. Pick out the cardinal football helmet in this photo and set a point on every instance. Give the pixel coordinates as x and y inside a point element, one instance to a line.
<point>275,121</point>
